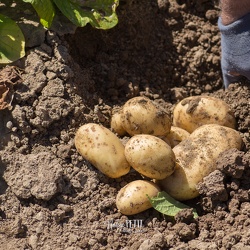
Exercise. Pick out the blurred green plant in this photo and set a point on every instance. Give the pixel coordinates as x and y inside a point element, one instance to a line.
<point>100,14</point>
<point>12,43</point>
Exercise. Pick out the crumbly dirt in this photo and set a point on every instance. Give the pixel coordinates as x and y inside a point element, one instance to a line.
<point>52,198</point>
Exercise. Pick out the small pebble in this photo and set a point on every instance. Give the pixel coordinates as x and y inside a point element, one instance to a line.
<point>9,125</point>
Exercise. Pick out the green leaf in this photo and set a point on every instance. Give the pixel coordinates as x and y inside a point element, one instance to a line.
<point>99,13</point>
<point>45,11</point>
<point>167,205</point>
<point>12,43</point>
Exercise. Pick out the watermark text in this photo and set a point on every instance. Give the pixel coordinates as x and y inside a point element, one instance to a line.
<point>129,226</point>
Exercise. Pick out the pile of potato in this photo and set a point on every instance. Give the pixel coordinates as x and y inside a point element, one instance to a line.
<point>175,155</point>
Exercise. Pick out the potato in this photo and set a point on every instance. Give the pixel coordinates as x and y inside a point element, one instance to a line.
<point>164,138</point>
<point>195,111</point>
<point>116,123</point>
<point>175,136</point>
<point>195,159</point>
<point>140,115</point>
<point>103,149</point>
<point>132,199</point>
<point>150,156</point>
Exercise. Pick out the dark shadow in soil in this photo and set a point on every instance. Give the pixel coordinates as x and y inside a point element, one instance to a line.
<point>138,52</point>
<point>141,55</point>
<point>5,116</point>
<point>3,184</point>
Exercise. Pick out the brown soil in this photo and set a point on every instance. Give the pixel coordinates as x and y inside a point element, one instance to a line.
<point>51,198</point>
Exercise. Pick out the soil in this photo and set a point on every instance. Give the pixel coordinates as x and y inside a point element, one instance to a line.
<point>52,198</point>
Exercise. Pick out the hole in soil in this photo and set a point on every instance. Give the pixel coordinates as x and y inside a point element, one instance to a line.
<point>3,184</point>
<point>138,52</point>
<point>147,53</point>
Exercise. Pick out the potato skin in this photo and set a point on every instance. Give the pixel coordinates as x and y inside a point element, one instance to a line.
<point>116,123</point>
<point>132,199</point>
<point>140,115</point>
<point>103,149</point>
<point>195,111</point>
<point>176,135</point>
<point>195,159</point>
<point>150,156</point>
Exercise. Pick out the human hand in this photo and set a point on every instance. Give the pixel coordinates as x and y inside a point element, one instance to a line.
<point>235,39</point>
<point>232,10</point>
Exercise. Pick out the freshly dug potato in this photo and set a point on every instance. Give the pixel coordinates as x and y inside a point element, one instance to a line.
<point>116,123</point>
<point>195,159</point>
<point>150,156</point>
<point>142,116</point>
<point>195,111</point>
<point>175,136</point>
<point>132,199</point>
<point>103,149</point>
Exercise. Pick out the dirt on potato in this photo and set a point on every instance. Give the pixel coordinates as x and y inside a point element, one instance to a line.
<point>52,198</point>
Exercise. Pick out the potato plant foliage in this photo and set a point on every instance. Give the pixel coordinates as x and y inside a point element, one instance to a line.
<point>100,14</point>
<point>12,44</point>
